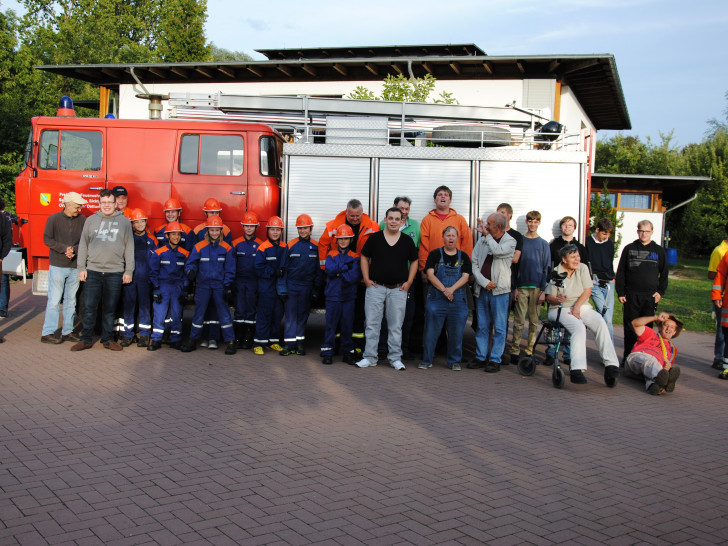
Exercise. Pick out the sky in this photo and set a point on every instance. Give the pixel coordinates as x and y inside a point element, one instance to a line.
<point>671,59</point>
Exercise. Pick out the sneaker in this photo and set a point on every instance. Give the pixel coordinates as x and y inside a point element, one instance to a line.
<point>424,366</point>
<point>231,348</point>
<point>455,367</point>
<point>112,346</point>
<point>672,376</point>
<point>211,344</point>
<point>288,351</point>
<point>718,364</point>
<point>327,360</point>
<point>660,381</point>
<point>397,365</point>
<point>203,343</point>
<point>548,361</point>
<point>492,367</point>
<point>515,358</point>
<point>143,341</point>
<point>155,345</point>
<point>300,351</point>
<point>81,346</point>
<point>611,375</point>
<point>721,375</point>
<point>125,341</point>
<point>50,338</point>
<point>476,364</point>
<point>577,377</point>
<point>365,363</point>
<point>71,337</point>
<point>350,358</point>
<point>275,347</point>
<point>258,350</point>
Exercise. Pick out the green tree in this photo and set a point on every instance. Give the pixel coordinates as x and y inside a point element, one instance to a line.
<point>629,155</point>
<point>401,88</point>
<point>222,54</point>
<point>601,207</point>
<point>183,33</point>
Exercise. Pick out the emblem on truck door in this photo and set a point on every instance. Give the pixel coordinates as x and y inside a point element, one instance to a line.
<point>45,199</point>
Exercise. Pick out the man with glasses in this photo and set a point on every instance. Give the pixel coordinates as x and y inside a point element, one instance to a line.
<point>105,262</point>
<point>641,281</point>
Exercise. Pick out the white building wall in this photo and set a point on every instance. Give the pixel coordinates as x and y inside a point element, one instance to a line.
<point>572,114</point>
<point>471,92</point>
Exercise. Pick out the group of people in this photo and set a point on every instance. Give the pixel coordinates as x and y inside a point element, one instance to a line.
<point>367,273</point>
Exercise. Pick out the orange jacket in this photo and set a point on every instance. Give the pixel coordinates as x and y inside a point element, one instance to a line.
<point>719,292</point>
<point>431,234</point>
<point>327,241</point>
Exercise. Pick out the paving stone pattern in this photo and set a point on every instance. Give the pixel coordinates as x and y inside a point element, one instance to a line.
<point>138,447</point>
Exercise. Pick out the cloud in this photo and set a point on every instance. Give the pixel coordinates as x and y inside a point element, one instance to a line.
<point>257,25</point>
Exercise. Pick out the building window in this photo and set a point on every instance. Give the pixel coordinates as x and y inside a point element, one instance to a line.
<point>641,201</point>
<point>612,197</point>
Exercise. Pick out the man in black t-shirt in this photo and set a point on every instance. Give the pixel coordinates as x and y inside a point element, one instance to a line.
<point>388,266</point>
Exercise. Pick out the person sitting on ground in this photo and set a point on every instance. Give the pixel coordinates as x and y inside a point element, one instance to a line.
<point>577,315</point>
<point>653,354</point>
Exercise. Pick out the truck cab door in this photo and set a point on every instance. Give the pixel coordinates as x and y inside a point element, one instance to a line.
<point>211,165</point>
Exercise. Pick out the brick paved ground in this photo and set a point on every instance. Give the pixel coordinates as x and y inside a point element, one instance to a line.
<point>167,448</point>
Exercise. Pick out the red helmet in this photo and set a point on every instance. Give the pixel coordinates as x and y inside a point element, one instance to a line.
<point>344,231</point>
<point>172,204</point>
<point>138,214</point>
<point>172,227</point>
<point>213,221</point>
<point>250,219</point>
<point>304,220</point>
<point>212,205</point>
<point>275,221</point>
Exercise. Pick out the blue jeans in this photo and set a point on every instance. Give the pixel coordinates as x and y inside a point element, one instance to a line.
<point>492,310</point>
<point>599,296</point>
<point>62,284</point>
<point>456,313</point>
<point>104,289</point>
<point>4,293</point>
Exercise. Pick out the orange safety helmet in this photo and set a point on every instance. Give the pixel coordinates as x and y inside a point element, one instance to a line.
<point>304,220</point>
<point>212,205</point>
<point>173,226</point>
<point>250,219</point>
<point>172,204</point>
<point>138,214</point>
<point>344,231</point>
<point>275,221</point>
<point>213,221</point>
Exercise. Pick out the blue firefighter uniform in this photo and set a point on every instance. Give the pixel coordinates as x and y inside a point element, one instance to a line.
<point>213,265</point>
<point>246,281</point>
<point>138,294</point>
<point>343,274</point>
<point>187,241</point>
<point>302,274</point>
<point>268,261</point>
<point>167,275</point>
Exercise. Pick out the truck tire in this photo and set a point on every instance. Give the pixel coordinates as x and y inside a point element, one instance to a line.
<point>469,136</point>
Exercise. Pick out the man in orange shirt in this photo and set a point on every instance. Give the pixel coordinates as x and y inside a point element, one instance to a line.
<point>436,221</point>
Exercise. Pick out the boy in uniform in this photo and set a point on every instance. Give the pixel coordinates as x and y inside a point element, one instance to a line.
<point>246,282</point>
<point>137,294</point>
<point>302,275</point>
<point>343,272</point>
<point>167,275</point>
<point>173,213</point>
<point>268,262</point>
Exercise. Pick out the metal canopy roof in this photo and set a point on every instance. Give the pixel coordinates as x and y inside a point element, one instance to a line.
<point>592,78</point>
<point>675,189</point>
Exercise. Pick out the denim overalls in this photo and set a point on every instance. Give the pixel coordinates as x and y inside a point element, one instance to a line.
<point>438,308</point>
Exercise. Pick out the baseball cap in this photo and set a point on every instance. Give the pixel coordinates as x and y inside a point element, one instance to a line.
<point>73,197</point>
<point>119,190</point>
